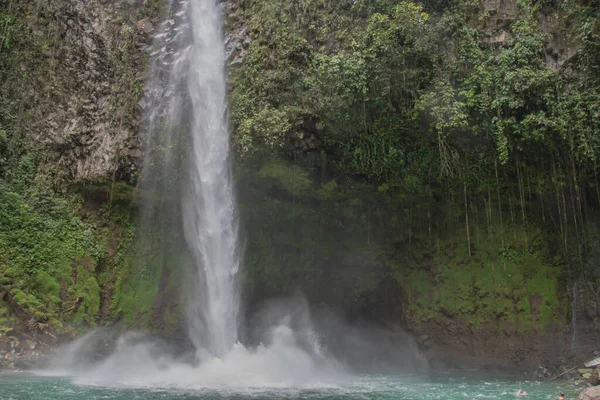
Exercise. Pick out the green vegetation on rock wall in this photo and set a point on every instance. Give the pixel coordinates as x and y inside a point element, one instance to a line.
<point>71,77</point>
<point>348,244</point>
<point>431,161</point>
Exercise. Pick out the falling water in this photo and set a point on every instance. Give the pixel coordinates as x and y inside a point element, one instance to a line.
<point>209,208</point>
<point>188,160</point>
<point>574,315</point>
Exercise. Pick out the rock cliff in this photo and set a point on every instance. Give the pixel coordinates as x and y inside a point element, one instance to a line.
<point>459,264</point>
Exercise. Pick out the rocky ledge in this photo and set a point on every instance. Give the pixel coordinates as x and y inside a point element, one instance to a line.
<point>592,393</point>
<point>23,351</point>
<point>591,375</point>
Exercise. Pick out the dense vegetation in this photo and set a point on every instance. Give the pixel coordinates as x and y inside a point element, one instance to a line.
<point>450,147</point>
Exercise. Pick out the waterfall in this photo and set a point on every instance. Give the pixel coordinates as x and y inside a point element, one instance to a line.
<point>188,171</point>
<point>209,208</point>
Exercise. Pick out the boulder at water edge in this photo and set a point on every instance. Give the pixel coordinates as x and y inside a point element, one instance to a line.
<point>592,393</point>
<point>593,378</point>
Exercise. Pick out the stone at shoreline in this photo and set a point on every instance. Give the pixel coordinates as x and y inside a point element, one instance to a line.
<point>594,378</point>
<point>592,393</point>
<point>23,351</point>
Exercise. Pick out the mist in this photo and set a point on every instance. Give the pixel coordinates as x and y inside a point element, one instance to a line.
<point>285,345</point>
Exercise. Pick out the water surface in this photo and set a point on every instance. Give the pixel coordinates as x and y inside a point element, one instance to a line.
<point>17,386</point>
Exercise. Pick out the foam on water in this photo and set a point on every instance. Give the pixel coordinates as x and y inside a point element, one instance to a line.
<point>296,350</point>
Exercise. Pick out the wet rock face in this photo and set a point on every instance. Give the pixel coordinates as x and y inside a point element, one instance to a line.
<point>499,15</point>
<point>501,12</point>
<point>561,48</point>
<point>86,114</point>
<point>81,126</point>
<point>237,35</point>
<point>24,351</point>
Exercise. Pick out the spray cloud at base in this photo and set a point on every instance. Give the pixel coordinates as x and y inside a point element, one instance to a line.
<point>289,347</point>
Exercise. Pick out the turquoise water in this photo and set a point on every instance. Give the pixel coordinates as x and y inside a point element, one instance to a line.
<point>21,386</point>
